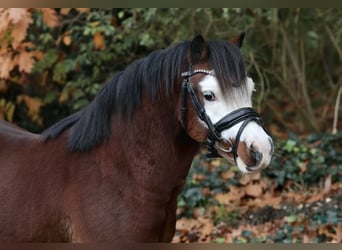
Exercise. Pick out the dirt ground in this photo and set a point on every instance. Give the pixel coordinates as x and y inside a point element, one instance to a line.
<point>316,219</point>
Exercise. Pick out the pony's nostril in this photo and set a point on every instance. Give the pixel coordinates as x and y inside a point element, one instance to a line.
<point>256,156</point>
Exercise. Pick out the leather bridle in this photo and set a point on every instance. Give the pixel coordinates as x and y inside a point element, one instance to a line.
<point>244,115</point>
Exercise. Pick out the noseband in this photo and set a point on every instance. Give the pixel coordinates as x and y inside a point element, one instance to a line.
<point>244,115</point>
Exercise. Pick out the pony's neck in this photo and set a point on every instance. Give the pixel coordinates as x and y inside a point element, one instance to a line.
<point>157,149</point>
<point>135,176</point>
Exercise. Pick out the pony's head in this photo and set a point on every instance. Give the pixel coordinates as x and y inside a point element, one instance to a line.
<point>216,104</point>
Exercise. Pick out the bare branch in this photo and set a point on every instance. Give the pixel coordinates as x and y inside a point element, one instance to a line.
<point>337,104</point>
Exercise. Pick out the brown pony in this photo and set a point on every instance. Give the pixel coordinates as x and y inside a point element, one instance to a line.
<point>113,171</point>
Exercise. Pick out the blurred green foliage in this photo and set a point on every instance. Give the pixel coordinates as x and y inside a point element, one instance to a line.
<point>298,164</point>
<point>294,56</point>
<point>308,161</point>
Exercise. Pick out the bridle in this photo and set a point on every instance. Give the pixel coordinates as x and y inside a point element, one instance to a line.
<point>244,115</point>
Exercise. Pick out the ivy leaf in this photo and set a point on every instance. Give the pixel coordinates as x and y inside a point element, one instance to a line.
<point>291,219</point>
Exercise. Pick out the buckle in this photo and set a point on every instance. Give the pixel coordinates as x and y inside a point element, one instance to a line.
<point>230,149</point>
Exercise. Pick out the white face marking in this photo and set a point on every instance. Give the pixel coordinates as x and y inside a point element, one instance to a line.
<point>219,106</point>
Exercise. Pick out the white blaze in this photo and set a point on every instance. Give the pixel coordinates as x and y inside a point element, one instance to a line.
<point>238,97</point>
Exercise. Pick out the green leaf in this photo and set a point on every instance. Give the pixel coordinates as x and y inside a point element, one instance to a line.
<point>50,57</point>
<point>219,240</point>
<point>292,218</point>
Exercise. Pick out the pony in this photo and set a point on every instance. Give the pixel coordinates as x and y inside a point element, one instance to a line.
<point>113,170</point>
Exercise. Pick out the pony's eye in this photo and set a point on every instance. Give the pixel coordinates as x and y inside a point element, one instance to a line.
<point>209,96</point>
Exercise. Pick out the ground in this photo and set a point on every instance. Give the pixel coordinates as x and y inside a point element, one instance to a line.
<point>258,209</point>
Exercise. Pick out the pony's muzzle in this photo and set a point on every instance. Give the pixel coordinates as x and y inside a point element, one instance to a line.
<point>259,160</point>
<point>255,156</point>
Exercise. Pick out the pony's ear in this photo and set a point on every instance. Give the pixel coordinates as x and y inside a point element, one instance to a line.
<point>198,51</point>
<point>238,40</point>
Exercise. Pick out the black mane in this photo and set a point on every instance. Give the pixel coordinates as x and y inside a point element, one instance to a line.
<point>91,125</point>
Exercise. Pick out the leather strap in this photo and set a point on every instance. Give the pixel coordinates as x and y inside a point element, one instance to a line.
<point>245,115</point>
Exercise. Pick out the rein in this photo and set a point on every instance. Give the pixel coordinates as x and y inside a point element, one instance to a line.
<point>245,115</point>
